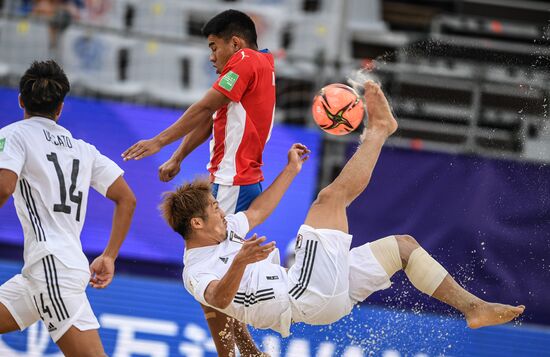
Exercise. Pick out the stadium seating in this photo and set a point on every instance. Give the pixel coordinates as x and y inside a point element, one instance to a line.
<point>174,74</point>
<point>454,85</point>
<point>99,61</point>
<point>21,42</point>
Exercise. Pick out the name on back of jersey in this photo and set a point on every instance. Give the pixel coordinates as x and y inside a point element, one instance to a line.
<point>58,140</point>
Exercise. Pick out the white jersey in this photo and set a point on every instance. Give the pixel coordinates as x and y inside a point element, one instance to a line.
<point>262,299</point>
<point>55,172</point>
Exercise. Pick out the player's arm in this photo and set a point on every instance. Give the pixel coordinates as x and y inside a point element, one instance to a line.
<point>191,141</point>
<point>12,158</point>
<point>267,201</point>
<point>8,183</point>
<point>103,267</point>
<point>199,113</point>
<point>220,293</point>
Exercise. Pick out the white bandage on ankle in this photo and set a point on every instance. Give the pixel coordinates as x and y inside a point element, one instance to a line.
<point>386,251</point>
<point>424,272</point>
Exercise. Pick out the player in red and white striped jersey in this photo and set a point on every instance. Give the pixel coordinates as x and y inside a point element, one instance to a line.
<point>238,113</point>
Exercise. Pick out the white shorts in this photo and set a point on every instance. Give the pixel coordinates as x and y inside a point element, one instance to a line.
<point>53,293</point>
<point>327,279</point>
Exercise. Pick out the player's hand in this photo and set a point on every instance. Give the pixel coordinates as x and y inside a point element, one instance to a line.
<point>252,251</point>
<point>169,170</point>
<point>297,155</point>
<point>102,271</point>
<point>379,112</point>
<point>141,149</point>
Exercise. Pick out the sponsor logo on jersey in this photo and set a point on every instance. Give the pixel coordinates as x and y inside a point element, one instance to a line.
<point>2,144</point>
<point>235,238</point>
<point>51,327</point>
<point>228,81</point>
<point>224,259</point>
<point>272,277</point>
<point>299,241</point>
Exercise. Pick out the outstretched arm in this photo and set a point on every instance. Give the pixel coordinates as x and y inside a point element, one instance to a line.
<point>171,168</point>
<point>196,115</point>
<point>103,267</point>
<point>267,201</point>
<point>8,182</point>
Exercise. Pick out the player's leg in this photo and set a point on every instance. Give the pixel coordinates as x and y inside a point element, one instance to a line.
<point>7,322</point>
<point>245,342</point>
<point>59,297</point>
<point>221,329</point>
<point>329,209</point>
<point>76,343</point>
<point>17,311</point>
<point>427,275</point>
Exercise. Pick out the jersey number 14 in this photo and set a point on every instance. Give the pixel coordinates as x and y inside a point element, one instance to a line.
<point>63,207</point>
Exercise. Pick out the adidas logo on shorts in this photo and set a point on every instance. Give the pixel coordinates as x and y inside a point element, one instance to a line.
<point>51,327</point>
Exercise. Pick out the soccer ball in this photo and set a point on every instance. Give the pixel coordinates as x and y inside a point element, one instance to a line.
<point>338,109</point>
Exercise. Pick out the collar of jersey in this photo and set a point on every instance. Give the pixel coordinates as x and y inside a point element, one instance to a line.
<point>42,119</point>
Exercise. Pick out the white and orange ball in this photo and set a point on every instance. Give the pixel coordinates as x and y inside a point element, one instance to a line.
<point>338,109</point>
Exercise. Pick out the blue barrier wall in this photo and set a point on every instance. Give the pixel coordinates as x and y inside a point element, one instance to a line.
<point>143,317</point>
<point>112,128</point>
<point>487,221</point>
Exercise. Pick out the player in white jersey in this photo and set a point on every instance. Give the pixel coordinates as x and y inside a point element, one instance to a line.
<point>49,174</point>
<point>243,278</point>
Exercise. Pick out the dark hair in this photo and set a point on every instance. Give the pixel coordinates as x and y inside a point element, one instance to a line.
<point>232,23</point>
<point>43,88</point>
<point>190,200</point>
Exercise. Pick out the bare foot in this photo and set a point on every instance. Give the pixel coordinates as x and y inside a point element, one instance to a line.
<point>489,314</point>
<point>378,108</point>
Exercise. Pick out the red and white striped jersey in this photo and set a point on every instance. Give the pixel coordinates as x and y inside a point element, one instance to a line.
<point>242,128</point>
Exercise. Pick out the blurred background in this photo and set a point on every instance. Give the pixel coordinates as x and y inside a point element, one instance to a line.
<point>466,174</point>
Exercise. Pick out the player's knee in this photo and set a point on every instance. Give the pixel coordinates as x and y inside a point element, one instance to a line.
<point>326,196</point>
<point>386,252</point>
<point>407,244</point>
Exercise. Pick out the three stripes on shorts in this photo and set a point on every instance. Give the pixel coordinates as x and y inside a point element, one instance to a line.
<point>307,268</point>
<point>53,290</point>
<point>298,289</point>
<point>48,262</point>
<point>253,298</point>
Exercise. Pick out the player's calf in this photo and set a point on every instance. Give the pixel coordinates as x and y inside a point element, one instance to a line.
<point>76,343</point>
<point>403,252</point>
